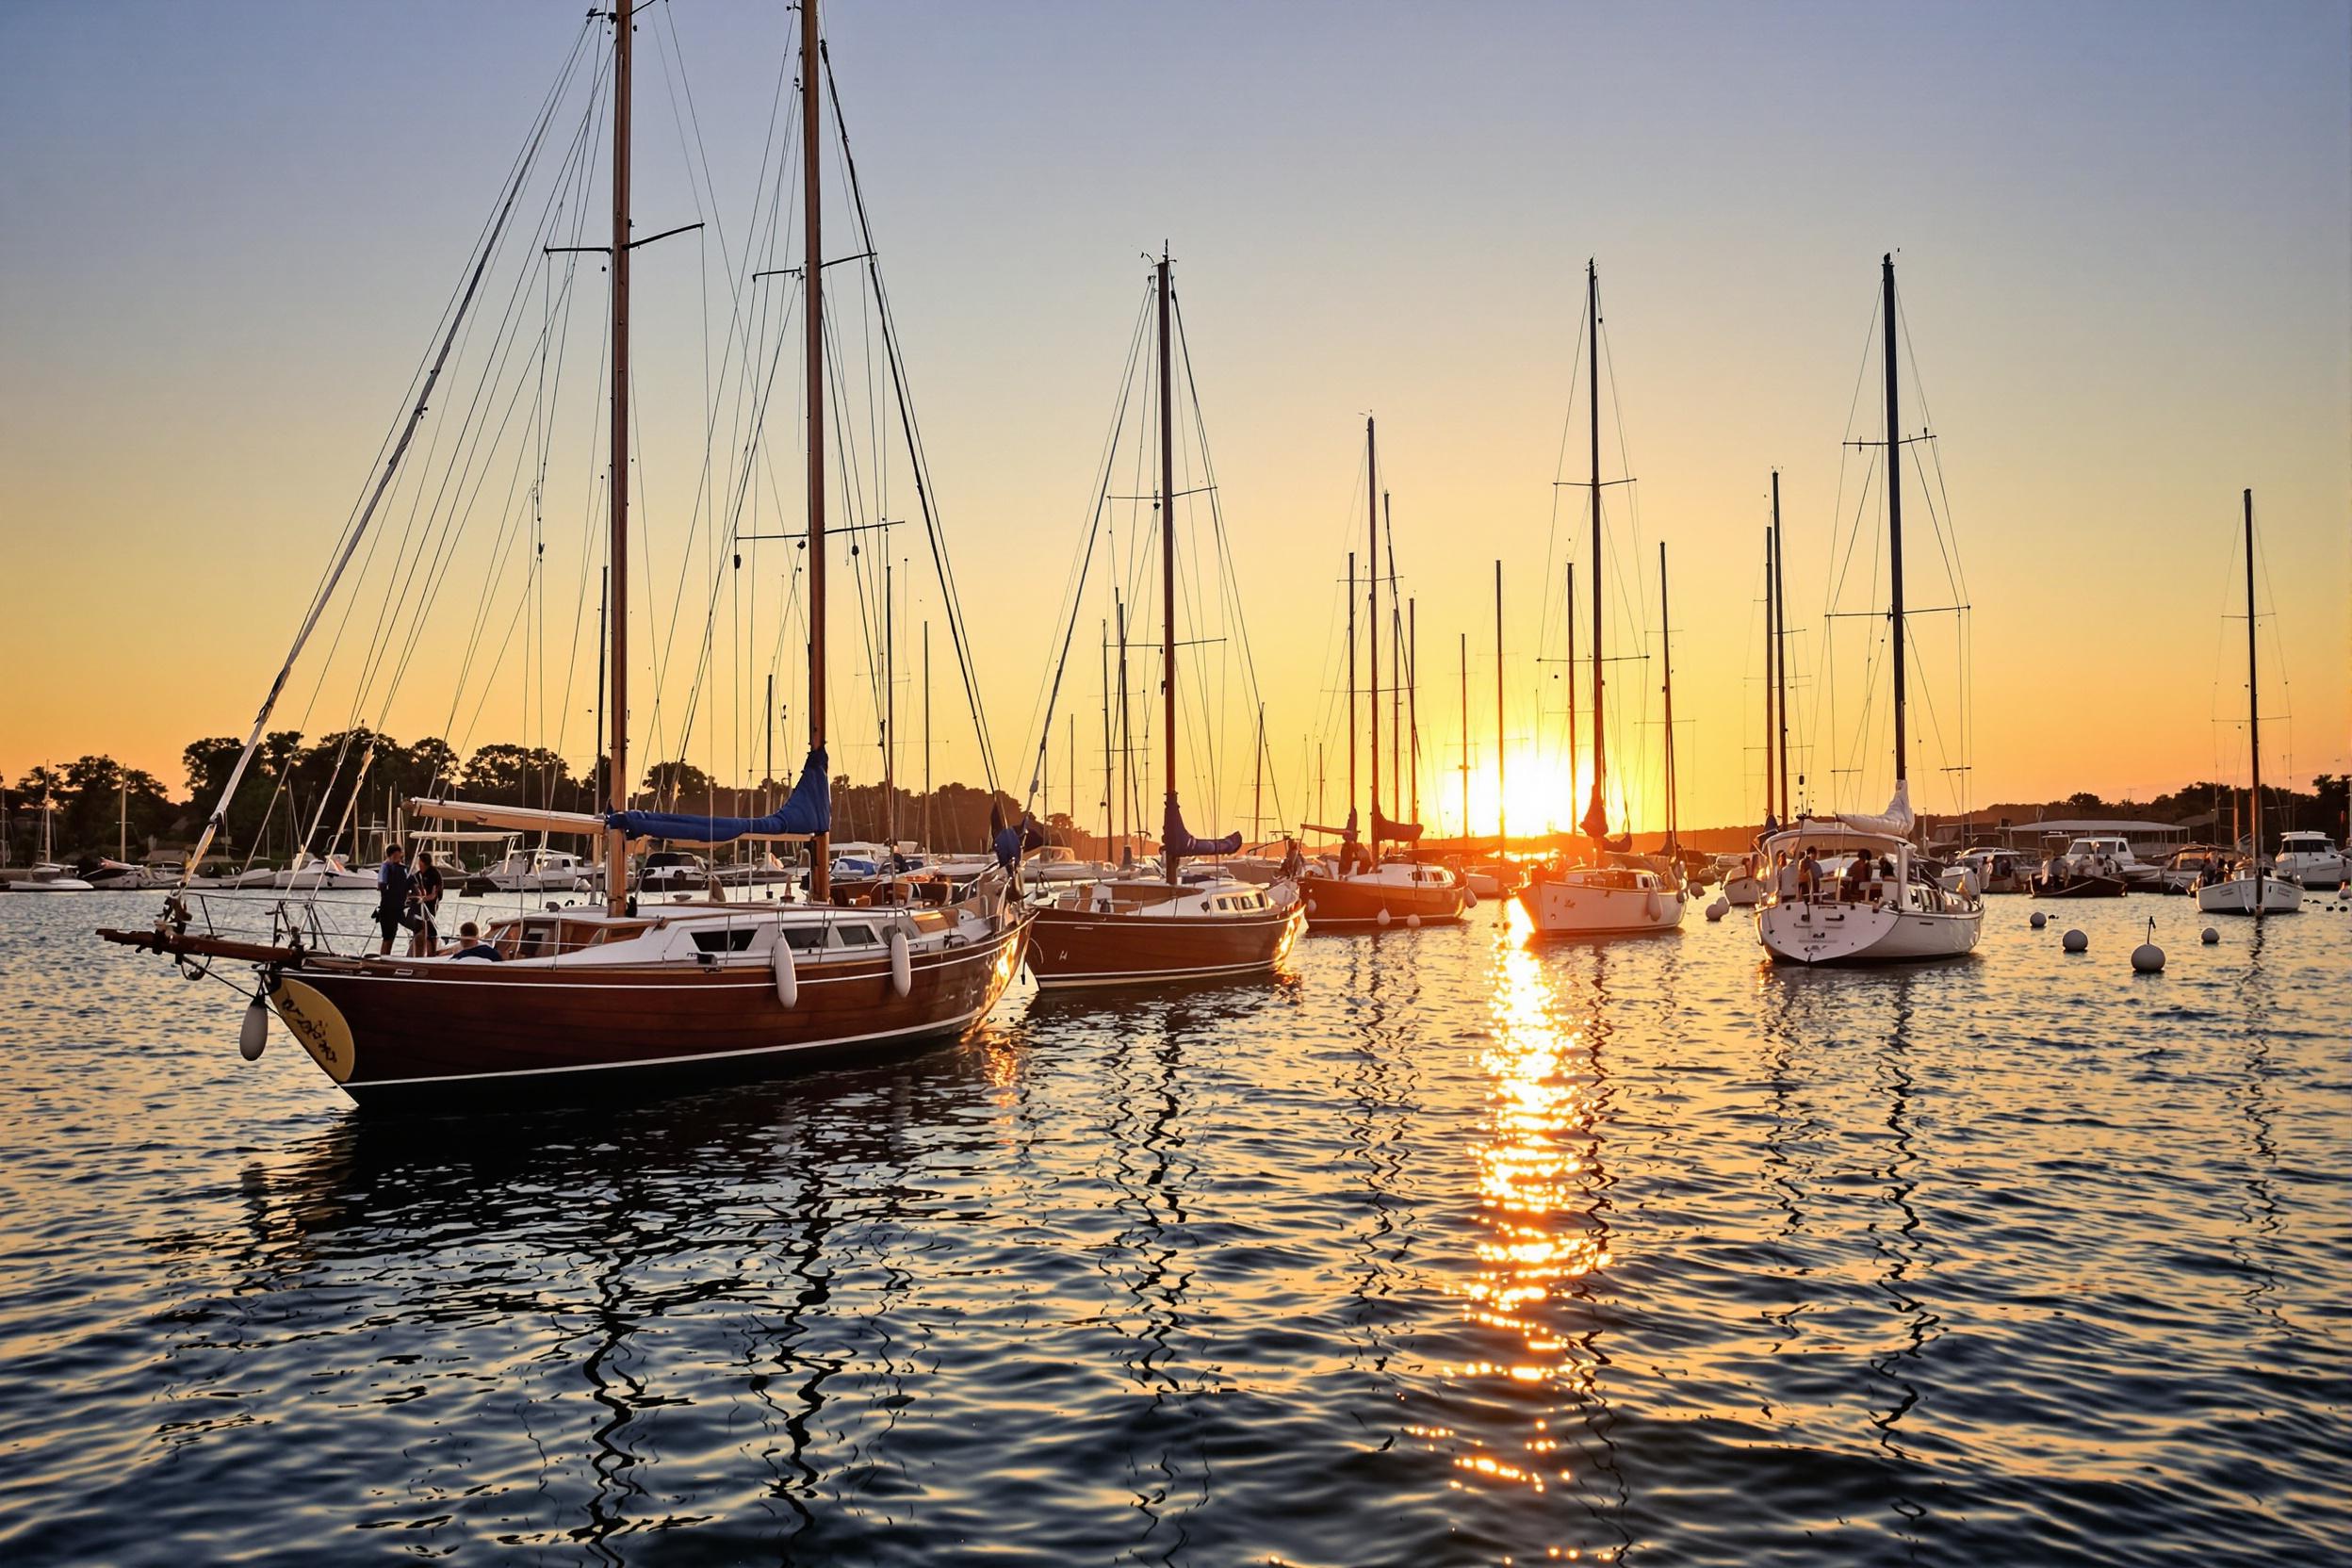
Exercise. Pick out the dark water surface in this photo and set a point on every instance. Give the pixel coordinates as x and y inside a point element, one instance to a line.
<point>1443,1251</point>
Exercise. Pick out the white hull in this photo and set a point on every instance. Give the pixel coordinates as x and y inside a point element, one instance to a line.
<point>2236,897</point>
<point>1572,907</point>
<point>54,885</point>
<point>541,882</point>
<point>313,877</point>
<point>2323,872</point>
<point>1831,933</point>
<point>1744,892</point>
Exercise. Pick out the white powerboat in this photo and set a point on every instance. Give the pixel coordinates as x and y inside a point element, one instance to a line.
<point>48,877</point>
<point>2249,890</point>
<point>330,871</point>
<point>2312,858</point>
<point>1602,901</point>
<point>538,870</point>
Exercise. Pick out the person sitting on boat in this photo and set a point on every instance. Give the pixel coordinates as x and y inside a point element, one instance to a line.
<point>471,944</point>
<point>1808,876</point>
<point>1857,878</point>
<point>393,896</point>
<point>1293,863</point>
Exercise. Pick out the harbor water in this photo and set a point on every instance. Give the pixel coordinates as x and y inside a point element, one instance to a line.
<point>1445,1248</point>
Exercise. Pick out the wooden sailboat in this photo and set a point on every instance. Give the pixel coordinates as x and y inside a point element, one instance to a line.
<point>1904,912</point>
<point>2248,889</point>
<point>1618,896</point>
<point>594,998</point>
<point>1137,930</point>
<point>1362,888</point>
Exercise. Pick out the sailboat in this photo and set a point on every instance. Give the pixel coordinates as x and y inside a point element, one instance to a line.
<point>1362,888</point>
<point>47,876</point>
<point>1619,896</point>
<point>594,998</point>
<point>2248,889</point>
<point>1905,912</point>
<point>1148,930</point>
<point>1745,887</point>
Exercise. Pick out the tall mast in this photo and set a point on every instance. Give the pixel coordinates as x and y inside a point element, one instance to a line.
<point>812,268</point>
<point>1257,787</point>
<point>617,545</point>
<point>1780,648</point>
<point>1126,729</point>
<point>1771,627</point>
<point>1168,576</point>
<point>1666,654</point>
<point>1372,616</point>
<point>1595,816</point>
<point>1502,794</point>
<point>1894,514</point>
<point>889,709</point>
<point>1110,819</point>
<point>2253,711</point>
<point>1351,681</point>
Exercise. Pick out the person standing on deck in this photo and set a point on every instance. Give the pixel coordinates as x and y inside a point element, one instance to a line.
<point>393,888</point>
<point>426,879</point>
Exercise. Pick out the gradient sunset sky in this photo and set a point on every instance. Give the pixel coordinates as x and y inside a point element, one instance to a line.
<point>2124,237</point>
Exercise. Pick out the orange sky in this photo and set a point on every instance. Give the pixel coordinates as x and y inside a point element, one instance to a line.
<point>2127,291</point>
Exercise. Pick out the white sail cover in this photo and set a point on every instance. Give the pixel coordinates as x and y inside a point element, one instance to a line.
<point>1895,821</point>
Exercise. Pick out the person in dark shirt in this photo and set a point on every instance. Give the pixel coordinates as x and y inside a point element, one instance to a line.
<point>394,889</point>
<point>426,880</point>
<point>470,945</point>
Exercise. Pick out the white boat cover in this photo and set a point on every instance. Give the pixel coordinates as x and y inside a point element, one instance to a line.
<point>1895,821</point>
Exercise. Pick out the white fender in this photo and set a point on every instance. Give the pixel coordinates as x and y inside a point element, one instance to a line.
<point>1383,920</point>
<point>1469,898</point>
<point>1650,905</point>
<point>787,971</point>
<point>1413,922</point>
<point>902,963</point>
<point>252,1035</point>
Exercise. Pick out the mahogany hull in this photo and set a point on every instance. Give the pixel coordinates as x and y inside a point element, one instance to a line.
<point>1076,947</point>
<point>1341,904</point>
<point>393,1032</point>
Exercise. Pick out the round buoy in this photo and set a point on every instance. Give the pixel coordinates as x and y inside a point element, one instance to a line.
<point>2038,921</point>
<point>1310,905</point>
<point>1383,919</point>
<point>902,963</point>
<point>1469,898</point>
<point>2147,958</point>
<point>252,1035</point>
<point>2209,936</point>
<point>787,971</point>
<point>1717,909</point>
<point>1413,922</point>
<point>2076,942</point>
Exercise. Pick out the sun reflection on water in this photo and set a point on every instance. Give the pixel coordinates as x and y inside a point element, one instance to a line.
<point>1537,1164</point>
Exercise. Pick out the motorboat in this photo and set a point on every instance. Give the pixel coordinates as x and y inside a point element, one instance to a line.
<point>111,875</point>
<point>2185,867</point>
<point>329,871</point>
<point>1617,900</point>
<point>2078,873</point>
<point>2312,858</point>
<point>1493,879</point>
<point>1742,880</point>
<point>49,877</point>
<point>2249,889</point>
<point>538,870</point>
<point>1396,892</point>
<point>2112,855</point>
<point>669,873</point>
<point>1134,930</point>
<point>1998,871</point>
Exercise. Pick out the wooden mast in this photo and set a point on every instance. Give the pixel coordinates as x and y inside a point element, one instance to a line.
<point>1372,620</point>
<point>1894,514</point>
<point>2253,711</point>
<point>1167,582</point>
<point>617,544</point>
<point>812,268</point>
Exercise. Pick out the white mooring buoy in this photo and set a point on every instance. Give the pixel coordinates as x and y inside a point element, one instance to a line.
<point>2147,958</point>
<point>2076,941</point>
<point>252,1035</point>
<point>2209,936</point>
<point>2039,920</point>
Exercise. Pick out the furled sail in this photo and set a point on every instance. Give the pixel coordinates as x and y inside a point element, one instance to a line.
<point>1387,832</point>
<point>1176,844</point>
<point>1895,821</point>
<point>808,810</point>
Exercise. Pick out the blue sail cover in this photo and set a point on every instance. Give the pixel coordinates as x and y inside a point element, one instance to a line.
<point>1387,832</point>
<point>1176,844</point>
<point>808,810</point>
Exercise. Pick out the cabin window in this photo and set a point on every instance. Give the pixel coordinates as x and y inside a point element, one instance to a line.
<point>857,936</point>
<point>735,941</point>
<point>803,938</point>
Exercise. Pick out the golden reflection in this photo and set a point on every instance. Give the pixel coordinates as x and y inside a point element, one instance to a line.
<point>1536,1171</point>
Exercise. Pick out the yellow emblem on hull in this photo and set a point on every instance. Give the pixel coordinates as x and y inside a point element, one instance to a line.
<point>320,1026</point>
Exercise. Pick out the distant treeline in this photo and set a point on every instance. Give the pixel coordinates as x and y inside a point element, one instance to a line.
<point>284,792</point>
